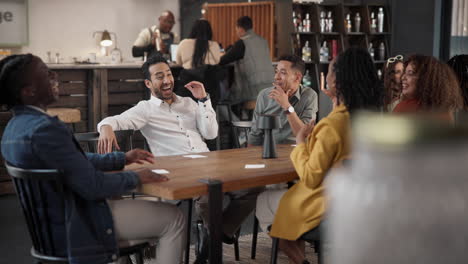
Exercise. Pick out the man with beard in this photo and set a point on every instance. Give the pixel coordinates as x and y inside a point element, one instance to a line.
<point>157,39</point>
<point>171,124</point>
<point>295,104</point>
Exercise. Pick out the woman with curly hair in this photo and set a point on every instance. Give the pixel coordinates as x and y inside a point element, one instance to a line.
<point>429,85</point>
<point>459,64</point>
<point>392,81</point>
<point>297,212</point>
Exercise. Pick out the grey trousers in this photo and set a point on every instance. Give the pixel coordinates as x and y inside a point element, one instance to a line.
<point>237,206</point>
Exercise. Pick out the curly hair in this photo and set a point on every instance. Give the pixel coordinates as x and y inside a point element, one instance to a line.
<point>12,78</point>
<point>459,64</point>
<point>389,82</point>
<point>437,86</point>
<point>357,83</point>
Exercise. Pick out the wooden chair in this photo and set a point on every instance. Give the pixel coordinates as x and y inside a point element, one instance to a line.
<point>66,115</point>
<point>31,186</point>
<point>89,140</point>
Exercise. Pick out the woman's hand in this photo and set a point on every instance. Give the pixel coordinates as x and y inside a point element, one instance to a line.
<point>304,132</point>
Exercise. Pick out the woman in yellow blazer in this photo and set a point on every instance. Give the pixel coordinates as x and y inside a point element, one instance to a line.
<point>352,84</point>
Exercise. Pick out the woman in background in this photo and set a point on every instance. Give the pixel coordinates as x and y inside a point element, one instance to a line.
<point>429,85</point>
<point>198,49</point>
<point>392,82</point>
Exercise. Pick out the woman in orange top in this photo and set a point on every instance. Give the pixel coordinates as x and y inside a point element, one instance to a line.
<point>429,85</point>
<point>353,84</point>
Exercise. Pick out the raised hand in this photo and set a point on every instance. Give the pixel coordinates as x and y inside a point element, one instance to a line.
<point>138,156</point>
<point>107,140</point>
<point>147,176</point>
<point>280,96</point>
<point>304,132</point>
<point>197,89</point>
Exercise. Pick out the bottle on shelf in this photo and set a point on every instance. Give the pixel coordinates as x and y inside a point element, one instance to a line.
<point>357,22</point>
<point>299,23</point>
<point>334,49</point>
<point>323,23</point>
<point>306,52</point>
<point>294,21</point>
<point>324,52</point>
<point>348,23</point>
<point>329,22</point>
<point>373,26</point>
<point>382,51</point>
<point>306,26</point>
<point>307,79</point>
<point>371,51</point>
<point>380,20</point>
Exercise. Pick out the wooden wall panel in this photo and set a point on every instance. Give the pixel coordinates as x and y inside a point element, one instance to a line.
<point>223,19</point>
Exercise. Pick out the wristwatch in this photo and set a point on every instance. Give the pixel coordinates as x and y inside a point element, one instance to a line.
<point>204,99</point>
<point>289,110</point>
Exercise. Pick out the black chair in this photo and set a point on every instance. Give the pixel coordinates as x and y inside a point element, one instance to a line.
<point>89,140</point>
<point>313,237</point>
<point>31,186</point>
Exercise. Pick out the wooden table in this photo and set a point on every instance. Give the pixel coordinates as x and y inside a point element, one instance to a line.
<point>221,171</point>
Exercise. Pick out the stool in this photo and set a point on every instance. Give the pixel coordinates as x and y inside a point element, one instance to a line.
<point>66,115</point>
<point>249,107</point>
<point>244,126</point>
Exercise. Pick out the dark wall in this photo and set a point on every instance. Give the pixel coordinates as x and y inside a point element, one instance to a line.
<point>414,27</point>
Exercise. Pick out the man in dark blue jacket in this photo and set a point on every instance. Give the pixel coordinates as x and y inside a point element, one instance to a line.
<point>88,228</point>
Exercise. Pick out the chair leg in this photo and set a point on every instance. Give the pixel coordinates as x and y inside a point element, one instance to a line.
<point>254,238</point>
<point>274,250</point>
<point>189,230</point>
<point>236,245</point>
<point>318,250</point>
<point>139,257</point>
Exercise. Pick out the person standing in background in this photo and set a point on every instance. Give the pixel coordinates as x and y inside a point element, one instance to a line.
<point>253,69</point>
<point>157,38</point>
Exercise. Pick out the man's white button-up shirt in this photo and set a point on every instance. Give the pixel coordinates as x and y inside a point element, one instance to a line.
<point>173,129</point>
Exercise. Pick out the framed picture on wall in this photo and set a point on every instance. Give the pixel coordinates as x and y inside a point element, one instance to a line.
<point>13,23</point>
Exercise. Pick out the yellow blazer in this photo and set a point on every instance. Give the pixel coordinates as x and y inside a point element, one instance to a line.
<point>303,205</point>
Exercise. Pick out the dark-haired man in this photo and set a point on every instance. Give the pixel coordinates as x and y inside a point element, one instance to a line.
<point>252,64</point>
<point>156,39</point>
<point>171,124</point>
<point>294,103</point>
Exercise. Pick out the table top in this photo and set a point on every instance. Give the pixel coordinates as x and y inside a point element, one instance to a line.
<point>227,166</point>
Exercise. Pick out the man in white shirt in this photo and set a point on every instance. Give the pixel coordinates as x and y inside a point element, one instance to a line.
<point>171,124</point>
<point>175,125</point>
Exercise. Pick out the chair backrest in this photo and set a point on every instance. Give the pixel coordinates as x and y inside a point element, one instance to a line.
<point>244,126</point>
<point>35,189</point>
<point>88,140</point>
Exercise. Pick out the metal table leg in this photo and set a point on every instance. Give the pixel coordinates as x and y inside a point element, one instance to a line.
<point>215,205</point>
<point>189,230</point>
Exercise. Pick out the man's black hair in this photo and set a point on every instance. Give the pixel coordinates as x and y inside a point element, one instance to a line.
<point>245,22</point>
<point>296,62</point>
<point>12,78</point>
<point>153,59</point>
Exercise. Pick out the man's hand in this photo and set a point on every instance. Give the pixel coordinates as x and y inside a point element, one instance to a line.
<point>304,132</point>
<point>138,156</point>
<point>281,97</point>
<point>147,176</point>
<point>197,89</point>
<point>107,140</point>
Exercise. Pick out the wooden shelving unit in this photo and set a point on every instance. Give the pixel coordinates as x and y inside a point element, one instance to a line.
<point>343,39</point>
